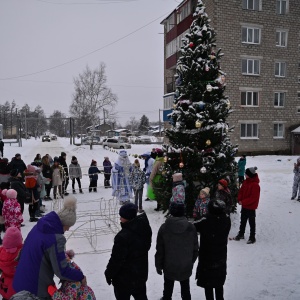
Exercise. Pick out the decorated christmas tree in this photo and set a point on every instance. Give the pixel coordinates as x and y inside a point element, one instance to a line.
<point>199,146</point>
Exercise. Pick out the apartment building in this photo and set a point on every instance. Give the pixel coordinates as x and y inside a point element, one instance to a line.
<point>260,40</point>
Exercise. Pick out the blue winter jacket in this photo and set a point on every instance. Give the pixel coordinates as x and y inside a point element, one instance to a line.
<point>93,172</point>
<point>43,255</point>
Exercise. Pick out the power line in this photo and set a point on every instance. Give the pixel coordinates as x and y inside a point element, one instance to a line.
<point>84,3</point>
<point>85,55</point>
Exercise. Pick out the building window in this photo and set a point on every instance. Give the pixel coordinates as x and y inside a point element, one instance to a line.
<point>278,130</point>
<point>171,48</point>
<point>298,109</point>
<point>281,38</point>
<point>298,79</point>
<point>298,95</point>
<point>183,12</point>
<point>279,99</point>
<point>251,35</point>
<point>252,4</point>
<point>170,22</point>
<point>249,98</point>
<point>280,69</point>
<point>282,7</point>
<point>250,66</point>
<point>249,130</point>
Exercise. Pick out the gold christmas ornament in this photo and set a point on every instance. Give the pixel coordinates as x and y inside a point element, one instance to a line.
<point>209,88</point>
<point>198,124</point>
<point>203,170</point>
<point>165,158</point>
<point>228,104</point>
<point>174,106</point>
<point>208,142</point>
<point>181,165</point>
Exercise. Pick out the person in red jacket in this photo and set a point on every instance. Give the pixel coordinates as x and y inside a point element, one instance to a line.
<point>9,253</point>
<point>248,198</point>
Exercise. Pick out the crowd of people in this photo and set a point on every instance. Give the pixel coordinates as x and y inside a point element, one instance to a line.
<point>43,253</point>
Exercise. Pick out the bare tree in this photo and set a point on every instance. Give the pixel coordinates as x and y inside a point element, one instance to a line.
<point>57,123</point>
<point>132,124</point>
<point>91,95</point>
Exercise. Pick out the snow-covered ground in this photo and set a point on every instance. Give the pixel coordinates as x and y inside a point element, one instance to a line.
<point>268,269</point>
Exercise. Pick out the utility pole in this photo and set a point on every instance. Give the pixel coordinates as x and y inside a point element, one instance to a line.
<point>159,122</point>
<point>25,124</point>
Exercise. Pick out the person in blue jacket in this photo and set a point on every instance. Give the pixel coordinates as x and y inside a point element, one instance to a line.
<point>93,175</point>
<point>241,169</point>
<point>43,253</point>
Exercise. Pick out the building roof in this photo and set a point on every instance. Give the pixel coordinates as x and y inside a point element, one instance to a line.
<point>296,130</point>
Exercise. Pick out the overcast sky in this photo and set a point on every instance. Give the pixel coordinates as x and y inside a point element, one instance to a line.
<point>39,35</point>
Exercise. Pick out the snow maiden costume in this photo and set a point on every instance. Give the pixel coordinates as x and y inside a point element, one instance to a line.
<point>120,178</point>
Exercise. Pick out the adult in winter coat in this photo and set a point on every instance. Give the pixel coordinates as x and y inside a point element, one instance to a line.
<point>127,268</point>
<point>75,173</point>
<point>121,187</point>
<point>47,173</point>
<point>176,251</point>
<point>63,163</point>
<point>16,183</point>
<point>248,198</point>
<point>241,169</point>
<point>296,184</point>
<point>107,166</point>
<point>223,193</point>
<point>43,253</point>
<point>9,255</point>
<point>149,162</point>
<point>4,171</point>
<point>1,147</point>
<point>214,228</point>
<point>18,164</point>
<point>137,179</point>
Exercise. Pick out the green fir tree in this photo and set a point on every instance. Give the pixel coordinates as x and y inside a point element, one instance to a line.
<point>199,146</point>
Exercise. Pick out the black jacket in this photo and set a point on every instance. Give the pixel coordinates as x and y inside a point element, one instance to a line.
<point>63,163</point>
<point>128,264</point>
<point>212,266</point>
<point>17,164</point>
<point>176,248</point>
<point>47,171</point>
<point>19,186</point>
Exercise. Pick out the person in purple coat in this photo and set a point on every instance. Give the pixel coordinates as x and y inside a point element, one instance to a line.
<point>107,166</point>
<point>43,253</point>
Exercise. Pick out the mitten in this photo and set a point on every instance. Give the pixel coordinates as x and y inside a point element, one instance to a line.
<point>108,279</point>
<point>159,271</point>
<point>51,290</point>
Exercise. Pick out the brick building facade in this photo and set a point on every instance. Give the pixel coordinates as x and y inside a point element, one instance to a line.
<point>260,40</point>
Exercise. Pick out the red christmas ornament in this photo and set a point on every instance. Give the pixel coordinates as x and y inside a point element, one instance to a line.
<point>191,45</point>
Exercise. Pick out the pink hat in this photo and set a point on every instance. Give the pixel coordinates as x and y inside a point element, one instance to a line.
<point>12,239</point>
<point>31,168</point>
<point>11,194</point>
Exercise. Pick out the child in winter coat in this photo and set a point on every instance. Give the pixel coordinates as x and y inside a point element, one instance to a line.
<point>58,175</point>
<point>296,184</point>
<point>223,193</point>
<point>93,174</point>
<point>201,204</point>
<point>178,190</point>
<point>71,290</point>
<point>75,173</point>
<point>107,166</point>
<point>11,210</point>
<point>241,169</point>
<point>9,254</point>
<point>137,179</point>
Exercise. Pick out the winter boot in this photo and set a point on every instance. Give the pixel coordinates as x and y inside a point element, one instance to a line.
<point>239,237</point>
<point>157,207</point>
<point>74,192</point>
<point>251,240</point>
<point>95,190</point>
<point>80,191</point>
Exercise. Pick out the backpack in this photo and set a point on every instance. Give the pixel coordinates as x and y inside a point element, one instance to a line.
<point>30,182</point>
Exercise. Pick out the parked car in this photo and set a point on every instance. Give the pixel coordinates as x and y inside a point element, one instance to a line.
<point>95,140</point>
<point>116,143</point>
<point>143,140</point>
<point>46,138</point>
<point>53,137</point>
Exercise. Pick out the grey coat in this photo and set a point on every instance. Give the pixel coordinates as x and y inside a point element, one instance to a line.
<point>176,248</point>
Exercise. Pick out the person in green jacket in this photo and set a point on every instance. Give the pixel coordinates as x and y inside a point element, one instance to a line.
<point>241,169</point>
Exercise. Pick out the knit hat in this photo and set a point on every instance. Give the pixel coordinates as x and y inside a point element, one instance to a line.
<point>159,152</point>
<point>216,207</point>
<point>31,169</point>
<point>14,172</point>
<point>136,163</point>
<point>251,172</point>
<point>18,155</point>
<point>106,157</point>
<point>56,159</point>
<point>11,194</point>
<point>63,154</point>
<point>12,239</point>
<point>206,191</point>
<point>93,163</point>
<point>67,215</point>
<point>128,211</point>
<point>74,158</point>
<point>176,209</point>
<point>223,182</point>
<point>177,177</point>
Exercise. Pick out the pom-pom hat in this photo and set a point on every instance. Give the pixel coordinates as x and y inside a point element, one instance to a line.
<point>11,194</point>
<point>67,215</point>
<point>12,239</point>
<point>128,211</point>
<point>223,183</point>
<point>205,191</point>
